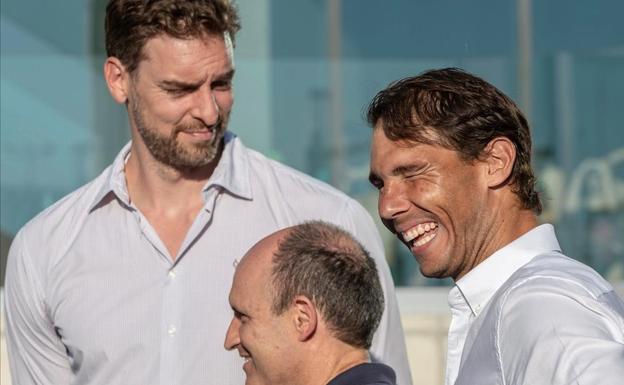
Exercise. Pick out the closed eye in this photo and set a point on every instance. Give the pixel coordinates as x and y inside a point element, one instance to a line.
<point>409,171</point>
<point>375,181</point>
<point>223,83</point>
<point>177,88</point>
<point>240,316</point>
<point>180,91</point>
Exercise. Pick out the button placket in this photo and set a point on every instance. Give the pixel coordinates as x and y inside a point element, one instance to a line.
<point>171,324</point>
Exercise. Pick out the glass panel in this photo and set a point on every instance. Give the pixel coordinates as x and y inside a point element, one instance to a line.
<point>305,72</point>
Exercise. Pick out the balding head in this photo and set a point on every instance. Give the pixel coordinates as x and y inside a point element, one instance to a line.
<point>328,266</point>
<point>303,290</point>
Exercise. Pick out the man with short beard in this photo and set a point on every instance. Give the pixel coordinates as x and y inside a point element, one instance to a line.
<point>125,280</point>
<point>451,158</point>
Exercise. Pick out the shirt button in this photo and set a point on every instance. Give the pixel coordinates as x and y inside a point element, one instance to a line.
<point>172,274</point>
<point>171,331</point>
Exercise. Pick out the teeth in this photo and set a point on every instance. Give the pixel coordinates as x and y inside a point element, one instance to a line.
<point>419,230</point>
<point>424,240</point>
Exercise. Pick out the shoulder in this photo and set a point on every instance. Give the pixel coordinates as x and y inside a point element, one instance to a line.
<point>556,316</point>
<point>294,197</point>
<point>281,180</point>
<point>554,294</point>
<point>555,273</point>
<point>56,226</point>
<point>264,167</point>
<point>67,209</point>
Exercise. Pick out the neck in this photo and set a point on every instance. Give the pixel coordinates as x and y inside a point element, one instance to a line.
<point>507,222</point>
<point>322,367</point>
<point>154,185</point>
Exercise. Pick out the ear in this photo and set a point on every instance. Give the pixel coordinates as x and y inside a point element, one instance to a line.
<point>305,317</point>
<point>117,79</point>
<point>500,156</point>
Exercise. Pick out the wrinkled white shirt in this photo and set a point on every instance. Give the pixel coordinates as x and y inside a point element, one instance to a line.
<point>93,296</point>
<point>531,316</point>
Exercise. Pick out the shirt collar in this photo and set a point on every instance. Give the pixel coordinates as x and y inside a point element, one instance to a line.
<point>115,180</point>
<point>366,373</point>
<point>480,284</point>
<point>231,173</point>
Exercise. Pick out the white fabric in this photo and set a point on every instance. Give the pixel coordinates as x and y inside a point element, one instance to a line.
<point>93,297</point>
<point>536,317</point>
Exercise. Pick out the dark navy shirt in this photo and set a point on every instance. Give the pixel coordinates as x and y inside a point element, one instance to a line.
<point>366,374</point>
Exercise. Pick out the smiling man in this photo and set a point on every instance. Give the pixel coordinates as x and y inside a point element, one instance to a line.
<point>451,158</point>
<point>306,301</point>
<point>125,280</point>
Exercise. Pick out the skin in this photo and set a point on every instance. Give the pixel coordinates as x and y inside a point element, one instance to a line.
<point>471,203</point>
<point>295,347</point>
<point>181,95</point>
<point>258,335</point>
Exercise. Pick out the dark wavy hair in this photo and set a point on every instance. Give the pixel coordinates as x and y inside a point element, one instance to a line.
<point>327,265</point>
<point>130,24</point>
<point>464,113</point>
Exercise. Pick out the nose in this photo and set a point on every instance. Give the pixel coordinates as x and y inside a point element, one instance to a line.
<point>392,202</point>
<point>232,337</point>
<point>206,108</point>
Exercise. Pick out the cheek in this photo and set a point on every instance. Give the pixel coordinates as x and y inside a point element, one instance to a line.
<point>166,110</point>
<point>225,100</point>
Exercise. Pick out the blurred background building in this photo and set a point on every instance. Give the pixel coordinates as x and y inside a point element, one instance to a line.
<point>306,70</point>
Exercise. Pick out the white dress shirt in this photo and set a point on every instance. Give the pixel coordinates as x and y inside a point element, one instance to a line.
<point>93,296</point>
<point>530,315</point>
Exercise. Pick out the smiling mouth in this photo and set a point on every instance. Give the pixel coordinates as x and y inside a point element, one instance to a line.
<point>199,130</point>
<point>420,234</point>
<point>246,358</point>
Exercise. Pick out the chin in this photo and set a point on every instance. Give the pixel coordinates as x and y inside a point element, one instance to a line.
<point>433,272</point>
<point>254,381</point>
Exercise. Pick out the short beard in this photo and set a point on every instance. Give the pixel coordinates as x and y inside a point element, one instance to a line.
<point>168,151</point>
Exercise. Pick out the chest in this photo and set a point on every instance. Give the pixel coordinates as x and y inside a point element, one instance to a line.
<point>114,290</point>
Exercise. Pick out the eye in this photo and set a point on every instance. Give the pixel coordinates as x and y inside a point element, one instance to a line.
<point>178,92</point>
<point>241,316</point>
<point>222,85</point>
<point>375,181</point>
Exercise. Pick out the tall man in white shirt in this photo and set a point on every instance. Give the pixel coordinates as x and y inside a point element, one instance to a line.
<point>451,160</point>
<point>125,280</point>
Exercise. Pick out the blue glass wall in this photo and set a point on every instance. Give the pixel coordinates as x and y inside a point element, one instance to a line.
<point>306,70</point>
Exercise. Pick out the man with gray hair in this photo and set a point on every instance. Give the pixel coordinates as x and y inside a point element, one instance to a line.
<point>306,302</point>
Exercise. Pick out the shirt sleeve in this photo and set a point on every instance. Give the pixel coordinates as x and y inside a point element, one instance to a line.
<point>388,344</point>
<point>36,354</point>
<point>561,334</point>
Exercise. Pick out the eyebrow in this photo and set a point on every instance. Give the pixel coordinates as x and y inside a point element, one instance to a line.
<point>179,84</point>
<point>227,76</point>
<point>399,170</point>
<point>191,85</point>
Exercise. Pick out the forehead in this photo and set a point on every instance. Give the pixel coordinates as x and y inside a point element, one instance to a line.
<point>252,279</point>
<point>168,55</point>
<point>388,155</point>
